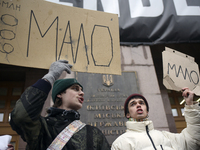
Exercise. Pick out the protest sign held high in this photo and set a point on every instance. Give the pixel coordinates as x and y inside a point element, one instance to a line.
<point>35,33</point>
<point>180,70</point>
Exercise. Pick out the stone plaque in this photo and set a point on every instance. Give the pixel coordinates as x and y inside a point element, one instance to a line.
<point>104,99</point>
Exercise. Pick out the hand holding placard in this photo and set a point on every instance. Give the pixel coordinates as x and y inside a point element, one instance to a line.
<point>180,70</point>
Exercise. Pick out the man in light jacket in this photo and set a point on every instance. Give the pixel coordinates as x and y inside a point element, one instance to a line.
<point>141,135</point>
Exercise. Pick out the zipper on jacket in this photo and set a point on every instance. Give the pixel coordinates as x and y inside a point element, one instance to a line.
<point>147,130</point>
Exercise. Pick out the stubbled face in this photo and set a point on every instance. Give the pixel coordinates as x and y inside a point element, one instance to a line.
<point>137,109</point>
<point>72,98</point>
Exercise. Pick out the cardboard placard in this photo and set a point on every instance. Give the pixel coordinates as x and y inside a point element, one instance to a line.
<point>180,70</point>
<point>35,33</point>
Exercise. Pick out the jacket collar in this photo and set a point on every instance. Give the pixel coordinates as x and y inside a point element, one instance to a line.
<point>66,114</point>
<point>139,126</point>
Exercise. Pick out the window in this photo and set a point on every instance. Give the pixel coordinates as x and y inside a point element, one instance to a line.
<point>9,94</point>
<point>3,91</point>
<point>177,108</point>
<point>174,112</point>
<point>2,104</point>
<point>1,117</point>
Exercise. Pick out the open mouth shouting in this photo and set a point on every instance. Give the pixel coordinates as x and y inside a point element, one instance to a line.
<point>139,111</point>
<point>81,99</point>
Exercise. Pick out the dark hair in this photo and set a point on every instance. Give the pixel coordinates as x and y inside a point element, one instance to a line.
<point>132,97</point>
<point>58,101</point>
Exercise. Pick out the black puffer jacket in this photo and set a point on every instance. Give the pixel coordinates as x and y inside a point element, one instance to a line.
<point>40,131</point>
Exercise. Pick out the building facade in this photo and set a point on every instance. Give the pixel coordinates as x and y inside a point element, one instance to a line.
<point>165,109</point>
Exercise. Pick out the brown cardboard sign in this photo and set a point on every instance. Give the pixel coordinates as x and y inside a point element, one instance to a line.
<point>35,33</point>
<point>180,70</point>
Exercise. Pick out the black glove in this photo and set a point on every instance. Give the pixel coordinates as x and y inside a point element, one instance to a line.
<point>56,70</point>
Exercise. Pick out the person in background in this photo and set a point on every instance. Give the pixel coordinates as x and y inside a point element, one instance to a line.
<point>141,135</point>
<point>62,128</point>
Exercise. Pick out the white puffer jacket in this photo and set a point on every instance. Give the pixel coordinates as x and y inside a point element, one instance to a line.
<point>142,136</point>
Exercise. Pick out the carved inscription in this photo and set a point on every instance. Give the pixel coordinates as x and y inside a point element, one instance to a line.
<point>104,105</point>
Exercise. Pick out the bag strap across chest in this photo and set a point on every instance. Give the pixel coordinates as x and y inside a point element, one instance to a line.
<point>64,136</point>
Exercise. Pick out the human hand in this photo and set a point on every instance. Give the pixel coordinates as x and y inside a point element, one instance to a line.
<point>10,147</point>
<point>56,70</point>
<point>188,95</point>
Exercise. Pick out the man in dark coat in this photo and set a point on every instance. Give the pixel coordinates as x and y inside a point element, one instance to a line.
<point>67,94</point>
